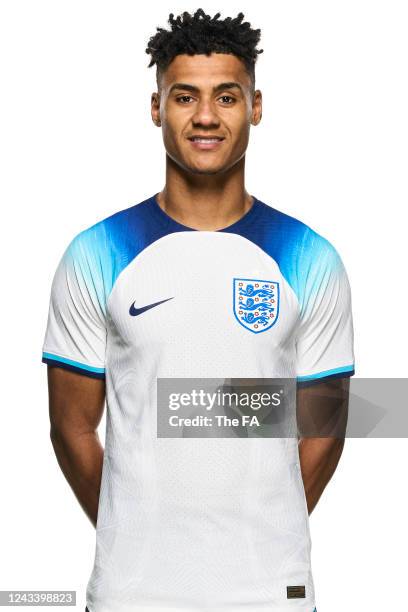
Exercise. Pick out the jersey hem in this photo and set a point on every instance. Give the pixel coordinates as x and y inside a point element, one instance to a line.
<point>309,607</point>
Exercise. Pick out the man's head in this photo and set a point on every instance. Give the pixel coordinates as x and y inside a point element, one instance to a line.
<point>205,73</point>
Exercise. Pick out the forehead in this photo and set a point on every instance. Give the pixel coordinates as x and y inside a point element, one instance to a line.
<point>206,71</point>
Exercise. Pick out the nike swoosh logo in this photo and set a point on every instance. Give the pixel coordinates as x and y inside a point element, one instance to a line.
<point>134,312</point>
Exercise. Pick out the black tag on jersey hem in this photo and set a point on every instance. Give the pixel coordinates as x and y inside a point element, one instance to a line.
<point>293,592</point>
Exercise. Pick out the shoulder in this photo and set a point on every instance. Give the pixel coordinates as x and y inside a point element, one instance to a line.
<point>293,239</point>
<point>101,251</point>
<point>304,256</point>
<point>112,233</point>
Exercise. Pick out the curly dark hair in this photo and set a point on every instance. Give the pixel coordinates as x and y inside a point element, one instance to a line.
<point>200,33</point>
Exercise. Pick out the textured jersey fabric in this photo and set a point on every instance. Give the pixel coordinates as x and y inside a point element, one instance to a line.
<point>202,523</point>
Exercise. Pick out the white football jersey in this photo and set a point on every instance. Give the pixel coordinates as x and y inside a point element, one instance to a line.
<point>205,522</point>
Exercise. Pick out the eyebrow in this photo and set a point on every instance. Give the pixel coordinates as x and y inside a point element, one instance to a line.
<point>216,88</point>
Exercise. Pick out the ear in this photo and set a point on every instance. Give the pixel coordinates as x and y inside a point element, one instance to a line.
<point>155,108</point>
<point>256,107</point>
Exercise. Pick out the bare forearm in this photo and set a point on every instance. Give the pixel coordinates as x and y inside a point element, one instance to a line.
<point>80,458</point>
<point>318,460</point>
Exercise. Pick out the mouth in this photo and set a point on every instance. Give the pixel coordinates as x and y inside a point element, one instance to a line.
<point>206,142</point>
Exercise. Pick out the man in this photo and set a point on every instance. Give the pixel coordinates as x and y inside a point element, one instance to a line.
<point>201,280</point>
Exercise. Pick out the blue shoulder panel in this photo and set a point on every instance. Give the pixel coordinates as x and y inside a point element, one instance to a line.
<point>304,257</point>
<point>105,249</point>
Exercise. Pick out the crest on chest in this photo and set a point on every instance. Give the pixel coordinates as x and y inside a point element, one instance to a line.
<point>256,303</point>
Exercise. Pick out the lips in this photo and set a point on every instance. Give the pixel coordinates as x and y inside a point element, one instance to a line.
<point>206,143</point>
<point>206,139</point>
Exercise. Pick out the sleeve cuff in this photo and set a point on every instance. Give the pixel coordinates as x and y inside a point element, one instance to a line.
<point>341,372</point>
<point>75,366</point>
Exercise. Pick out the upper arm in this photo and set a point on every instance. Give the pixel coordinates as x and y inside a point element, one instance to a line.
<point>76,402</point>
<point>322,408</point>
<point>324,344</point>
<point>75,338</point>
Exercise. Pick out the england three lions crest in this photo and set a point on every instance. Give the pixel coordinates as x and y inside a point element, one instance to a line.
<point>256,303</point>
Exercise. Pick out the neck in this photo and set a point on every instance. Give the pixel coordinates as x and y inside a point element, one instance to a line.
<point>205,202</point>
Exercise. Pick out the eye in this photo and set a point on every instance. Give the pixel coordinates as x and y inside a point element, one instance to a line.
<point>184,99</point>
<point>227,99</point>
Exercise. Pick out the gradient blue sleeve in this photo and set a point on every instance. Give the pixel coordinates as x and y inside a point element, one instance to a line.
<point>75,336</point>
<point>325,335</point>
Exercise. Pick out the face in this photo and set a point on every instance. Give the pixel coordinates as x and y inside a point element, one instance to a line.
<point>205,107</point>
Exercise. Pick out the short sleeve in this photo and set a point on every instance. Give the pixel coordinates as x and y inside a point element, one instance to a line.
<point>325,335</point>
<point>75,336</point>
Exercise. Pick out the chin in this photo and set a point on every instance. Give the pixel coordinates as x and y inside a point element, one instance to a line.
<point>206,171</point>
<point>216,169</point>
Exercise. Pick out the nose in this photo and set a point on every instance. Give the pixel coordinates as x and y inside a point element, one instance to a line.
<point>205,115</point>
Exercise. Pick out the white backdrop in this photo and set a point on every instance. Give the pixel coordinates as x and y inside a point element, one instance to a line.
<point>77,144</point>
